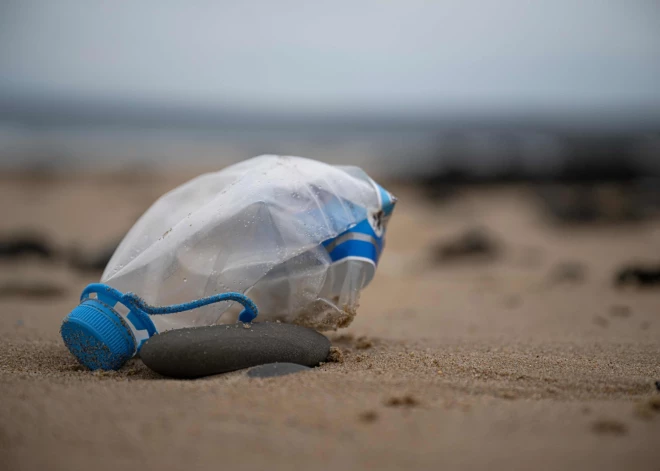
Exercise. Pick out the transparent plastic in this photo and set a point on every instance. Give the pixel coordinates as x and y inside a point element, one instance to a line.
<point>259,228</point>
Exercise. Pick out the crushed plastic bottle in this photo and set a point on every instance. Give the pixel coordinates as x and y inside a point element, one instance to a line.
<point>299,238</point>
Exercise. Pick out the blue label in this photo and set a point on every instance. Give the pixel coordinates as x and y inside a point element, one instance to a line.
<point>364,240</point>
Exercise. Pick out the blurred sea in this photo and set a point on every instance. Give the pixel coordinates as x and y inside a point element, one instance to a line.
<point>58,137</point>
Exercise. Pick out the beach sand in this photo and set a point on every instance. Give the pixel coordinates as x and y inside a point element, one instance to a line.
<point>497,363</point>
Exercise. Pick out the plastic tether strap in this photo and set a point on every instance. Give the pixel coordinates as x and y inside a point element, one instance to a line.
<point>143,310</point>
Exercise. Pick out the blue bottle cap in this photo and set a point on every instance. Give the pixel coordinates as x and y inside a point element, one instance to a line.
<point>97,336</point>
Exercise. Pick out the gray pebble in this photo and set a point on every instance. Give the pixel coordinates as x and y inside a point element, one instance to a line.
<point>203,351</point>
<point>276,369</point>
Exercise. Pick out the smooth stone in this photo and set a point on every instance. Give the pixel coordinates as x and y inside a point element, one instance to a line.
<point>204,351</point>
<point>276,369</point>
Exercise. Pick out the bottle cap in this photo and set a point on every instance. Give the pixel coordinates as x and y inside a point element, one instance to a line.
<point>98,336</point>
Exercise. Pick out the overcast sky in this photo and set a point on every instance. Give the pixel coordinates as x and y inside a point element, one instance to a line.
<point>342,55</point>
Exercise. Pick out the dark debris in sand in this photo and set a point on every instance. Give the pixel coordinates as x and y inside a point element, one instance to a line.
<point>26,244</point>
<point>640,276</point>
<point>475,244</point>
<point>368,416</point>
<point>406,400</point>
<point>609,427</point>
<point>648,408</point>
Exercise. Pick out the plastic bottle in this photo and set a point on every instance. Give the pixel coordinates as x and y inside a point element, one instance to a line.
<point>296,237</point>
